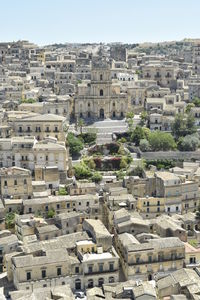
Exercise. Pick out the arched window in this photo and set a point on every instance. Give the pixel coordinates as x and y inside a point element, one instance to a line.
<point>101,77</point>
<point>90,283</point>
<point>77,284</point>
<point>114,104</point>
<point>89,104</point>
<point>101,282</point>
<point>101,92</point>
<point>111,279</point>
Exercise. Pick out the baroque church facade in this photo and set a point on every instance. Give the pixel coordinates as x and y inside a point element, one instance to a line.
<point>99,98</point>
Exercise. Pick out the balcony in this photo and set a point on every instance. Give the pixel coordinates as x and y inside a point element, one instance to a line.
<point>96,272</point>
<point>156,261</point>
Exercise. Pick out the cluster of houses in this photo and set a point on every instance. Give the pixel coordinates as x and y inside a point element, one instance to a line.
<point>130,238</point>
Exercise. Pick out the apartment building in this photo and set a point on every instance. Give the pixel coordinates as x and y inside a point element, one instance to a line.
<point>41,126</point>
<point>151,259</point>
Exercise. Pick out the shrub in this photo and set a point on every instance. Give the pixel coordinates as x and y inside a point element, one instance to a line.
<point>29,100</point>
<point>161,163</point>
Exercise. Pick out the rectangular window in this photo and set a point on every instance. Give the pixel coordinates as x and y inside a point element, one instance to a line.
<point>111,267</point>
<point>5,183</point>
<point>100,267</point>
<point>43,273</point>
<point>77,270</point>
<point>28,275</point>
<point>90,269</point>
<point>59,271</point>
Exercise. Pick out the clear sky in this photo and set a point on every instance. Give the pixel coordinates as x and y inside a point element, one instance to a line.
<point>60,21</point>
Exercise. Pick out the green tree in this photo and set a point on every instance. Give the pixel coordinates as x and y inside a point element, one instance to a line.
<point>137,135</point>
<point>196,101</point>
<point>179,126</point>
<point>123,163</point>
<point>188,143</point>
<point>91,164</point>
<point>51,213</point>
<point>198,213</point>
<point>81,123</point>
<point>183,126</point>
<point>161,141</point>
<point>62,191</point>
<point>10,220</point>
<point>82,171</point>
<point>143,118</point>
<point>130,115</point>
<point>188,107</point>
<point>96,177</point>
<point>190,124</point>
<point>144,145</point>
<point>74,143</point>
<point>89,137</point>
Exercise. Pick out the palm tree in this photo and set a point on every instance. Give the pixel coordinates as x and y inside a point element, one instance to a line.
<point>81,123</point>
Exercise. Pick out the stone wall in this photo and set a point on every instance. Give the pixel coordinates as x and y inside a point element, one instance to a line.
<point>176,155</point>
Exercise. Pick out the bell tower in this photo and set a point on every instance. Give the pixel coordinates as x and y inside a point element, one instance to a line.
<point>100,79</point>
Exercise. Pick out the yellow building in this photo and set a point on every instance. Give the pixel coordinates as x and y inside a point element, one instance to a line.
<point>150,207</point>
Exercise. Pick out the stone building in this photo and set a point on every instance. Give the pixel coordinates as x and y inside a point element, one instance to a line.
<point>16,183</point>
<point>98,98</point>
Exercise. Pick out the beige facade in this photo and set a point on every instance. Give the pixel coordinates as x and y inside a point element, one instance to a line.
<point>165,75</point>
<point>98,99</point>
<point>41,126</point>
<point>146,260</point>
<point>15,183</point>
